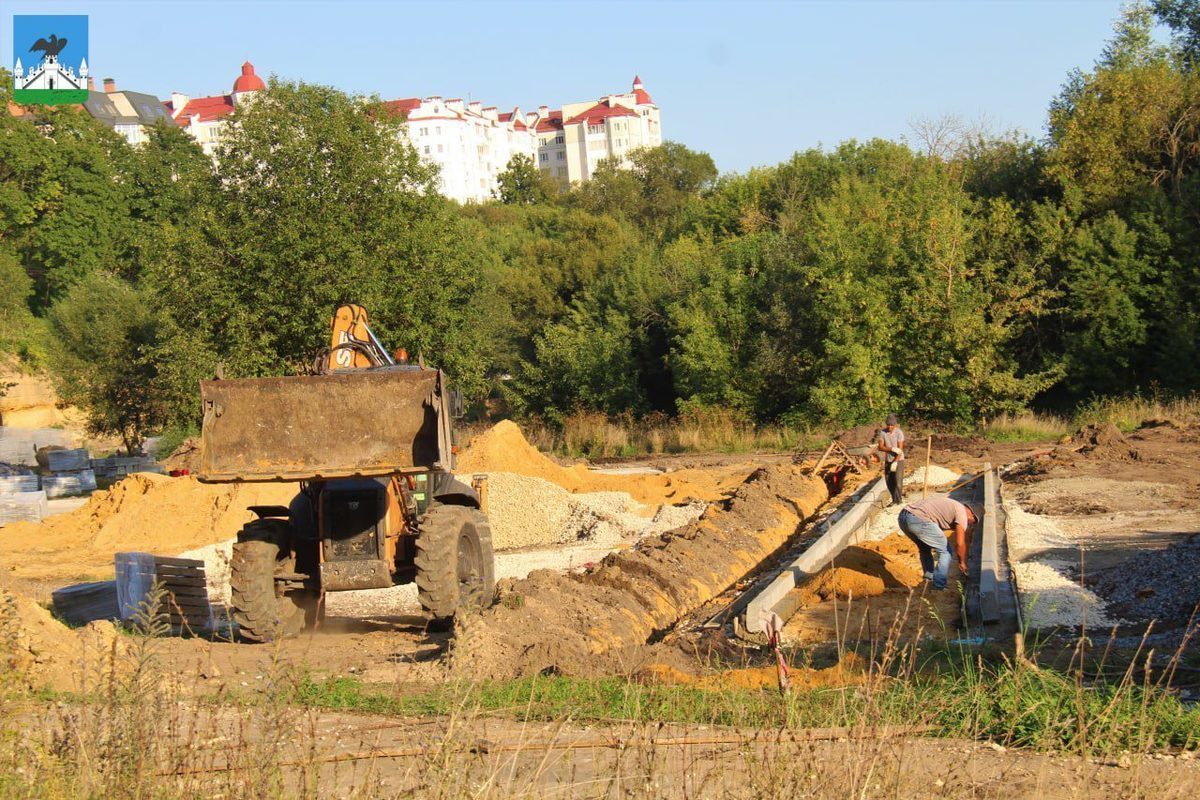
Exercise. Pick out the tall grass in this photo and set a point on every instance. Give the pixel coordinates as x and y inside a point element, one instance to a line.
<point>1027,427</point>
<point>710,430</point>
<point>1129,412</point>
<point>151,732</point>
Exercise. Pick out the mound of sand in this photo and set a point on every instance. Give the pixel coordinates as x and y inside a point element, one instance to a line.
<point>850,671</point>
<point>866,570</point>
<point>144,512</point>
<point>503,448</point>
<point>40,652</point>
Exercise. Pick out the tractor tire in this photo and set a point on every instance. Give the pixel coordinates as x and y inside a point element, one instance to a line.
<point>455,566</point>
<point>263,613</point>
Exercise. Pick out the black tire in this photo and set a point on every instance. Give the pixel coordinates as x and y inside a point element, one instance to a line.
<point>263,613</point>
<point>455,566</point>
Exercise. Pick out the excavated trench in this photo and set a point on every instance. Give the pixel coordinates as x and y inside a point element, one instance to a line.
<point>597,622</point>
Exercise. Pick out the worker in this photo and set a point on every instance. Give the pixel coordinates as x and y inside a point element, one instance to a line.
<point>890,442</point>
<point>926,521</point>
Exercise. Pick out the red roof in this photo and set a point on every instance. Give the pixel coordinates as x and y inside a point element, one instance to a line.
<point>514,117</point>
<point>206,108</point>
<point>639,92</point>
<point>402,106</point>
<point>248,81</point>
<point>601,111</point>
<point>554,122</point>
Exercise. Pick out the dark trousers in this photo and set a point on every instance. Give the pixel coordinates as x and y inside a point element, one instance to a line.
<point>895,480</point>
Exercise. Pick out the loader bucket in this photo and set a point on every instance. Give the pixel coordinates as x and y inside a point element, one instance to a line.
<point>362,422</point>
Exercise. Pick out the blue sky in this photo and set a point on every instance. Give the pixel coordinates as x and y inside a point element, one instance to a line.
<point>748,82</point>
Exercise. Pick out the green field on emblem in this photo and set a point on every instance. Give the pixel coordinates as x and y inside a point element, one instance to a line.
<point>49,97</point>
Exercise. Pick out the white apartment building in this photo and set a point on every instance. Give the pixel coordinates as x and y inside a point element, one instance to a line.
<point>574,139</point>
<point>204,117</point>
<point>470,144</point>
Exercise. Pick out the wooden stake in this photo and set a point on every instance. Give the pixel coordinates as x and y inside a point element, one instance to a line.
<point>928,452</point>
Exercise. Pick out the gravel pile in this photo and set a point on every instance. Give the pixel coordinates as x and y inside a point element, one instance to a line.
<point>534,512</point>
<point>1050,597</point>
<point>938,476</point>
<point>1155,585</point>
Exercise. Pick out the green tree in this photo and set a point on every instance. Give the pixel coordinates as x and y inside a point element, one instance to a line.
<point>104,334</point>
<point>319,200</point>
<point>522,183</point>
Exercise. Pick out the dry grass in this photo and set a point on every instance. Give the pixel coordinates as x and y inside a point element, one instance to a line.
<point>1128,413</point>
<point>595,435</point>
<point>1027,427</point>
<point>152,733</point>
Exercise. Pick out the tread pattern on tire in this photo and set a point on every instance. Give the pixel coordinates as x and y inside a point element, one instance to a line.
<point>261,616</point>
<point>437,558</point>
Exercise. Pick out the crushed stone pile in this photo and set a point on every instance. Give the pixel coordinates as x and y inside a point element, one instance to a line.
<point>534,512</point>
<point>503,448</point>
<point>144,512</point>
<point>938,476</point>
<point>866,570</point>
<point>1155,585</point>
<point>40,652</point>
<point>588,623</point>
<point>1043,556</point>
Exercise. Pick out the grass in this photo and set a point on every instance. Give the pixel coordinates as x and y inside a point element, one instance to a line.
<point>710,430</point>
<point>1027,427</point>
<point>1129,412</point>
<point>1013,704</point>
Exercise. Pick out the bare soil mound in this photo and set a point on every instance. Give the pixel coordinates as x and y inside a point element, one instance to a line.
<point>503,448</point>
<point>40,652</point>
<point>581,624</point>
<point>144,512</point>
<point>858,436</point>
<point>1106,442</point>
<point>186,456</point>
<point>866,570</point>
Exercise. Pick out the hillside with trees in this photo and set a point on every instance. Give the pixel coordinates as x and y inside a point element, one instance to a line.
<point>954,277</point>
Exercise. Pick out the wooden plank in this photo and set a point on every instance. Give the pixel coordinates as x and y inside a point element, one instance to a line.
<point>169,561</point>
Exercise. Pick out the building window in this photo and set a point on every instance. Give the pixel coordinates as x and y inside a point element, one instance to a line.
<point>561,155</point>
<point>543,157</point>
<point>559,139</point>
<point>562,172</point>
<point>426,149</point>
<point>439,148</point>
<point>424,131</point>
<point>596,128</point>
<point>438,129</point>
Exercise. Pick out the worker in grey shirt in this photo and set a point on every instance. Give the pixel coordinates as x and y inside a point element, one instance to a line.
<point>925,522</point>
<point>890,442</point>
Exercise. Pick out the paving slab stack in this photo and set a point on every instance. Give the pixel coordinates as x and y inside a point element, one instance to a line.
<point>71,473</point>
<point>21,499</point>
<point>113,468</point>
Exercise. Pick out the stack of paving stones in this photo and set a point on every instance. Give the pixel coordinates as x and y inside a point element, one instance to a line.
<point>21,497</point>
<point>70,473</point>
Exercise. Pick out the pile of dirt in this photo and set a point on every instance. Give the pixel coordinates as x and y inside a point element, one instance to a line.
<point>40,652</point>
<point>582,624</point>
<point>1154,585</point>
<point>858,436</point>
<point>866,570</point>
<point>144,512</point>
<point>1105,442</point>
<point>503,448</point>
<point>185,456</point>
<point>850,671</point>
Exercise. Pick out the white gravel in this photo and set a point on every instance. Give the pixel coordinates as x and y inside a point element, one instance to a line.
<point>1049,597</point>
<point>938,476</point>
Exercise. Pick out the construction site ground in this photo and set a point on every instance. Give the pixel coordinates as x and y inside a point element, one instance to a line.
<point>1102,532</point>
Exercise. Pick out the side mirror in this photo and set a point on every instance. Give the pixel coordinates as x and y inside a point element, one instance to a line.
<point>456,404</point>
